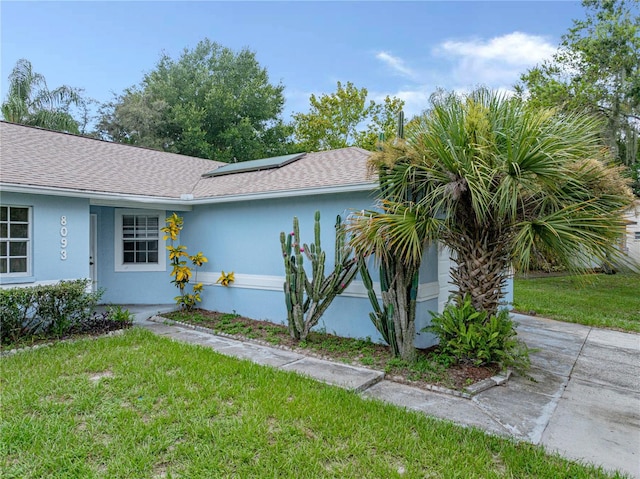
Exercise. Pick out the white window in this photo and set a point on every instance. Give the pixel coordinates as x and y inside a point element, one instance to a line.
<point>138,241</point>
<point>15,240</point>
<point>637,235</point>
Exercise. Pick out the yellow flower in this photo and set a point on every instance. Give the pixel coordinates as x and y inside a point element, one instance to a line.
<point>198,287</point>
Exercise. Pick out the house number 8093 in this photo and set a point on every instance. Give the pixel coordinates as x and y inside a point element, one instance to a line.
<point>63,238</point>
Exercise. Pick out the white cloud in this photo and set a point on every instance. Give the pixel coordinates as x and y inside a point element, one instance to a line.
<point>416,99</point>
<point>515,48</point>
<point>497,62</point>
<point>396,63</point>
<point>462,65</point>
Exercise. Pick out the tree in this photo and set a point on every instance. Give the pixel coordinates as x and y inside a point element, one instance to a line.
<point>334,120</point>
<point>597,70</point>
<point>495,179</point>
<point>383,121</point>
<point>212,103</point>
<point>30,102</point>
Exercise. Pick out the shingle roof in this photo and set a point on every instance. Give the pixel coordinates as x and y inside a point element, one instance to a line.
<point>346,166</point>
<point>38,157</point>
<point>43,158</point>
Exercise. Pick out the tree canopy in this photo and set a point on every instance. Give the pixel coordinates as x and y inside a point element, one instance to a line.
<point>30,102</point>
<point>212,103</point>
<point>597,70</point>
<point>336,120</point>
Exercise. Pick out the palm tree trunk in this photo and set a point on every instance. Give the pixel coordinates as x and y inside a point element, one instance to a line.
<point>481,268</point>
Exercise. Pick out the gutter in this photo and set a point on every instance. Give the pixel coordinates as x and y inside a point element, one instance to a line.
<point>185,202</point>
<point>97,198</point>
<point>327,190</point>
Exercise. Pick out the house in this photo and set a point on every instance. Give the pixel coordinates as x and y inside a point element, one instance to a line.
<point>631,240</point>
<point>75,207</point>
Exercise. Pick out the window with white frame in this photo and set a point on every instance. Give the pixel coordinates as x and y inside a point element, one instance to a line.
<point>637,235</point>
<point>15,237</point>
<point>138,241</point>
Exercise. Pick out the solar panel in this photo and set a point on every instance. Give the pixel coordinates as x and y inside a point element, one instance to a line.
<point>254,165</point>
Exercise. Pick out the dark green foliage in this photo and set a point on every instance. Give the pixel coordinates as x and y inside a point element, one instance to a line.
<point>467,335</point>
<point>120,315</point>
<point>399,278</point>
<point>211,103</point>
<point>306,299</point>
<point>113,319</point>
<point>45,311</point>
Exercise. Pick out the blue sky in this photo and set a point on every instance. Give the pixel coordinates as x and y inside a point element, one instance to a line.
<point>406,49</point>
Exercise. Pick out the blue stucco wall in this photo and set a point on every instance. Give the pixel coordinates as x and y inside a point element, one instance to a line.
<point>244,237</point>
<point>46,263</point>
<point>130,287</point>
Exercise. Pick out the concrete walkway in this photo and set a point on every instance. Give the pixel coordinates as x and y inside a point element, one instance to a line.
<point>584,401</point>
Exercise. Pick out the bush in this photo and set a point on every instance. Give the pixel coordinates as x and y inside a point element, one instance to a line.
<point>467,335</point>
<point>45,311</point>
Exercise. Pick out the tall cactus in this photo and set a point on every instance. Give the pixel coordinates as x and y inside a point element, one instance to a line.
<point>382,315</point>
<point>307,299</point>
<point>395,317</point>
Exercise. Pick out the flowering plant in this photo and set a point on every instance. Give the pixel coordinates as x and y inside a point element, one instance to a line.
<point>181,271</point>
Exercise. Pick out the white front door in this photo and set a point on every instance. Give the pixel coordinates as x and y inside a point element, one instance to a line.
<point>93,250</point>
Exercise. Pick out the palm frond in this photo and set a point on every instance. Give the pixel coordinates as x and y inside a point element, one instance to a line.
<point>30,102</point>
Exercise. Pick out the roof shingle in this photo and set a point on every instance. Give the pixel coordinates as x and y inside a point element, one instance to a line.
<point>42,158</point>
<point>38,157</point>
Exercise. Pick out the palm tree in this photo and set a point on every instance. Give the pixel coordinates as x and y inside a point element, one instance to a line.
<point>496,181</point>
<point>30,102</point>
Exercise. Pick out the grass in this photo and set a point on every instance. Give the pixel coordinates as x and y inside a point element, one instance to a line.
<point>138,405</point>
<point>609,301</point>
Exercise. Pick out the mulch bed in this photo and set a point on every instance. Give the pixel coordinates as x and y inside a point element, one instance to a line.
<point>96,326</point>
<point>426,373</point>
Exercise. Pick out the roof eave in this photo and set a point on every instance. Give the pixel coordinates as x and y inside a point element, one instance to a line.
<point>99,198</point>
<point>120,199</point>
<point>324,190</point>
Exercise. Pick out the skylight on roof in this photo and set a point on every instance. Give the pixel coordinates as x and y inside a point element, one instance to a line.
<point>254,165</point>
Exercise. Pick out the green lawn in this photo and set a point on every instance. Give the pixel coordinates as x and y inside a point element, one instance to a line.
<point>610,301</point>
<point>137,406</point>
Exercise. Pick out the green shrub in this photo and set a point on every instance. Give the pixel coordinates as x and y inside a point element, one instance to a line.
<point>119,314</point>
<point>16,313</point>
<point>44,311</point>
<point>467,335</point>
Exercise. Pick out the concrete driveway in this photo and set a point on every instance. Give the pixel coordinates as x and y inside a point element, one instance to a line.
<point>587,401</point>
